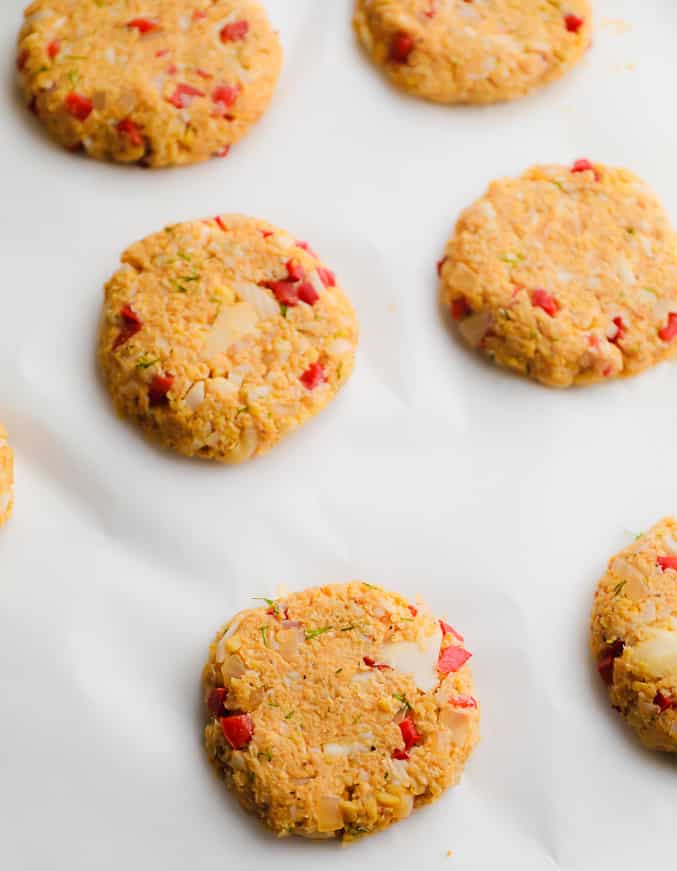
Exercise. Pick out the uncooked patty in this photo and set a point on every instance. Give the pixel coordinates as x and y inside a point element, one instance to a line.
<point>162,82</point>
<point>456,51</point>
<point>634,634</point>
<point>565,274</point>
<point>6,477</point>
<point>336,711</point>
<point>221,336</point>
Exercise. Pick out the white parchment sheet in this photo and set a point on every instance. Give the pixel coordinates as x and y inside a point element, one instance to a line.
<point>433,473</point>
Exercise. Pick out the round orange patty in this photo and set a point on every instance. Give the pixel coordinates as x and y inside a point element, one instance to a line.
<point>458,51</point>
<point>336,711</point>
<point>221,336</point>
<point>159,82</point>
<point>567,274</point>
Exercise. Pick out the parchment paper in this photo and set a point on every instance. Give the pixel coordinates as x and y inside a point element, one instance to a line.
<point>434,473</point>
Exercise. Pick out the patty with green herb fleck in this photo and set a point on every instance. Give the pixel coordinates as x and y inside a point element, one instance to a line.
<point>221,336</point>
<point>565,274</point>
<point>335,711</point>
<point>6,477</point>
<point>158,82</point>
<point>454,51</point>
<point>634,634</point>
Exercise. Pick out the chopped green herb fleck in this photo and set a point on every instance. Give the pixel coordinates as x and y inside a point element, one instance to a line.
<point>618,589</point>
<point>270,602</point>
<point>145,362</point>
<point>242,410</point>
<point>402,698</point>
<point>264,634</point>
<point>265,754</point>
<point>338,671</point>
<point>347,628</point>
<point>289,715</point>
<point>314,633</point>
<point>284,309</point>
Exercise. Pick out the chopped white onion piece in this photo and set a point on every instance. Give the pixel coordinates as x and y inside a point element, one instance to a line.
<point>233,322</point>
<point>264,303</point>
<point>418,660</point>
<point>474,328</point>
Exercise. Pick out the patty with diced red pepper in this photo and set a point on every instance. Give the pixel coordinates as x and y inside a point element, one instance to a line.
<point>566,274</point>
<point>176,83</point>
<point>6,477</point>
<point>460,51</point>
<point>336,711</point>
<point>634,635</point>
<point>221,336</point>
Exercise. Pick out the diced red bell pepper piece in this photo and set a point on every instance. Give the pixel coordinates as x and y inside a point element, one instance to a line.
<point>131,324</point>
<point>131,130</point>
<point>307,293</point>
<point>582,165</point>
<point>401,46</point>
<point>667,562</point>
<point>413,611</point>
<point>219,221</point>
<point>664,703</point>
<point>305,247</point>
<point>295,271</point>
<point>573,23</point>
<point>216,699</point>
<point>235,31</point>
<point>159,388</point>
<point>225,95</point>
<point>78,106</point>
<point>199,15</point>
<point>542,299</point>
<point>449,630</point>
<point>459,309</point>
<point>371,663</point>
<point>143,25</point>
<point>223,152</point>
<point>238,730</point>
<point>668,333</point>
<point>266,233</point>
<point>183,95</point>
<point>440,264</point>
<point>605,666</point>
<point>620,325</point>
<point>410,734</point>
<point>313,376</point>
<point>327,277</point>
<point>400,754</point>
<point>467,702</point>
<point>285,292</point>
<point>53,49</point>
<point>452,658</point>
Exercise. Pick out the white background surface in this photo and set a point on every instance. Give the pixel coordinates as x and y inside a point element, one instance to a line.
<point>433,473</point>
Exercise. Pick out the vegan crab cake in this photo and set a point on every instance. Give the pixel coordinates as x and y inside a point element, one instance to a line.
<point>634,635</point>
<point>159,82</point>
<point>6,478</point>
<point>336,711</point>
<point>459,51</point>
<point>221,336</point>
<point>565,274</point>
